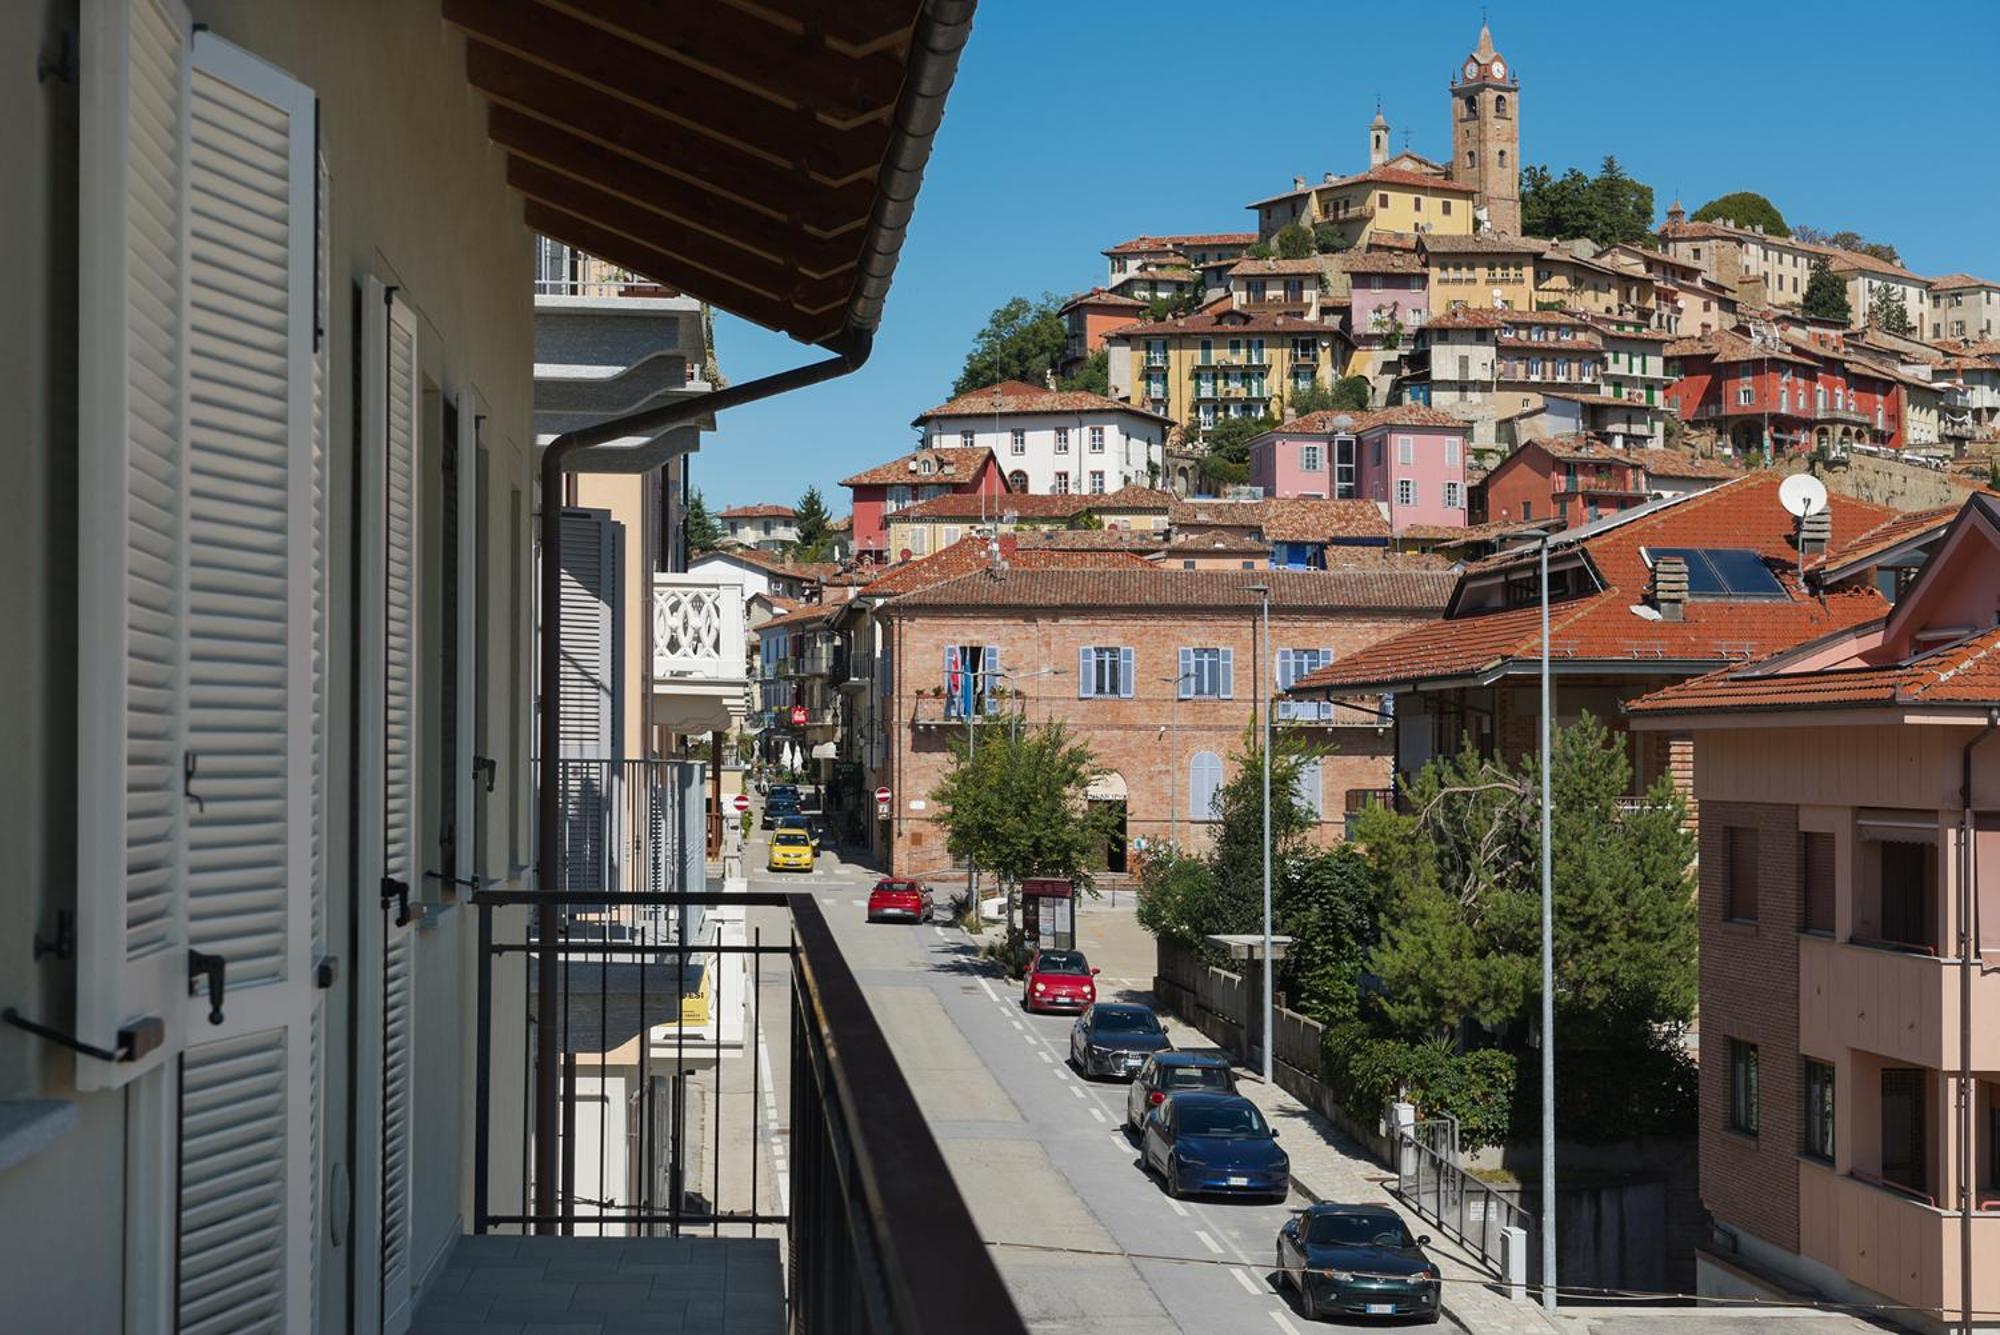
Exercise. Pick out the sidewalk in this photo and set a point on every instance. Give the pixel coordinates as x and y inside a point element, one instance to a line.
<point>1328,1167</point>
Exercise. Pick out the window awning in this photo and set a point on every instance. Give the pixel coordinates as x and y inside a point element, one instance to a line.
<point>765,159</point>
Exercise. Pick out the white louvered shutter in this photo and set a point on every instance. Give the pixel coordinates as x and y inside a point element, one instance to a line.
<point>246,1241</point>
<point>323,316</point>
<point>465,823</point>
<point>1184,683</point>
<point>990,668</point>
<point>389,763</point>
<point>131,528</point>
<point>589,692</point>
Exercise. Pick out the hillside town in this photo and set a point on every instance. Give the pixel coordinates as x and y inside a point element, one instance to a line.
<point>1424,755</point>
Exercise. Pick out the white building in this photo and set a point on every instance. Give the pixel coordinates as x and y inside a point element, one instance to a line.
<point>1052,441</point>
<point>770,528</point>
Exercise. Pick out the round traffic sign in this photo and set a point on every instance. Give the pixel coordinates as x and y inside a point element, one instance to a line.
<point>740,802</point>
<point>881,794</point>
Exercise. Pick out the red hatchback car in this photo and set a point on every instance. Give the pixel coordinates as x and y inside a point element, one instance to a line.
<point>1058,980</point>
<point>894,897</point>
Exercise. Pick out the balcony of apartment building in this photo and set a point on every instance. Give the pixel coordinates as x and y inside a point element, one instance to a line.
<point>1879,964</point>
<point>1600,484</point>
<point>700,677</point>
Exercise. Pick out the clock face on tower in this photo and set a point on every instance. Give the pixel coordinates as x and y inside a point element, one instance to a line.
<point>1471,69</point>
<point>1499,69</point>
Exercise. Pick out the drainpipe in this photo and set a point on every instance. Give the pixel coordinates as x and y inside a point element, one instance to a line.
<point>571,450</point>
<point>1967,943</point>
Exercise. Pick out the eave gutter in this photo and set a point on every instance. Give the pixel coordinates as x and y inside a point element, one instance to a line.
<point>936,42</point>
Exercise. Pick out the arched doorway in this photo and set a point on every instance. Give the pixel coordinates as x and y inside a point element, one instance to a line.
<point>1109,789</point>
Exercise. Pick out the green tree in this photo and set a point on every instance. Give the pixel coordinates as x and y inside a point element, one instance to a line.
<point>1826,296</point>
<point>1227,461</point>
<point>1021,340</point>
<point>1294,242</point>
<point>1014,803</point>
<point>1258,250</point>
<point>1348,394</point>
<point>1745,208</point>
<point>1329,238</point>
<point>1889,314</point>
<point>1093,374</point>
<point>1609,208</point>
<point>1088,520</point>
<point>703,533</point>
<point>815,528</point>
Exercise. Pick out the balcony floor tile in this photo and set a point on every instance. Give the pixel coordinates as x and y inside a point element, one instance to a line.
<point>606,1286</point>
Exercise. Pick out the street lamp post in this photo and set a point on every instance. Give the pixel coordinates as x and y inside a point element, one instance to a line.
<point>1263,591</point>
<point>1548,971</point>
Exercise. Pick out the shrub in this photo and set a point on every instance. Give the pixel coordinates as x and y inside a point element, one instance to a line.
<point>1477,1087</point>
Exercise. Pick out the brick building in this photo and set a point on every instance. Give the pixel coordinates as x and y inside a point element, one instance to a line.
<point>1850,897</point>
<point>1575,478</point>
<point>1158,671</point>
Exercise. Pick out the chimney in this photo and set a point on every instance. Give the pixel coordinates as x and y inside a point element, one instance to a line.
<point>1815,533</point>
<point>1298,183</point>
<point>1670,587</point>
<point>1327,179</point>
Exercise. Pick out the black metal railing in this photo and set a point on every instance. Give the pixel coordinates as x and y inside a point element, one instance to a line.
<point>1431,1180</point>
<point>663,1112</point>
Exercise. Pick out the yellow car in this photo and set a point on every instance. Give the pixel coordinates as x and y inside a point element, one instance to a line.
<point>791,850</point>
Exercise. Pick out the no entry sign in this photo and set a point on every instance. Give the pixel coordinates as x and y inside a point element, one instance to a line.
<point>740,802</point>
<point>881,794</point>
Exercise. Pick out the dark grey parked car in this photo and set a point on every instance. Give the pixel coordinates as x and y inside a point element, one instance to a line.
<point>1113,1039</point>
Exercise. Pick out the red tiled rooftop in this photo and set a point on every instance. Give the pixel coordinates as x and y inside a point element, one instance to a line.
<point>1964,673</point>
<point>1017,396</point>
<point>970,554</point>
<point>1890,533</point>
<point>951,465</point>
<point>1602,627</point>
<point>1374,591</point>
<point>757,512</point>
<point>1151,244</point>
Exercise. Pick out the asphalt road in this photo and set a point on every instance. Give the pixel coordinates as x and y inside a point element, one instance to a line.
<point>1085,1239</point>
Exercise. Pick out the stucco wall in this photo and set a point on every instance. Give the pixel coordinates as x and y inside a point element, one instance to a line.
<point>418,200</point>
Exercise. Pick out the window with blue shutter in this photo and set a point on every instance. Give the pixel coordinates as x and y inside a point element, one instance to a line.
<point>1307,788</point>
<point>990,679</point>
<point>1206,674</point>
<point>1125,672</point>
<point>1291,665</point>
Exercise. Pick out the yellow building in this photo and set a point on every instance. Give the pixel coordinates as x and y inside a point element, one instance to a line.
<point>1223,363</point>
<point>1565,280</point>
<point>1490,271</point>
<point>1381,199</point>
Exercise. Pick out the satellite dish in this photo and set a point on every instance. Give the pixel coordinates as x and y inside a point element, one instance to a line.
<point>1802,494</point>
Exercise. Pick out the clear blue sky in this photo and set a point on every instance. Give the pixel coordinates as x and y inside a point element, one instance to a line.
<point>1077,125</point>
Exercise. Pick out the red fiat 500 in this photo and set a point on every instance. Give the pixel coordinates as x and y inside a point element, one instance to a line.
<point>1058,980</point>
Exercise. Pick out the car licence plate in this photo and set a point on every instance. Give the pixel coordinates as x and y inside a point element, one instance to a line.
<point>1239,1181</point>
<point>1381,1309</point>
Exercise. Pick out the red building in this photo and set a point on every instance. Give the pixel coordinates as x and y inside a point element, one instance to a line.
<point>1795,396</point>
<point>1574,478</point>
<point>1089,316</point>
<point>917,476</point>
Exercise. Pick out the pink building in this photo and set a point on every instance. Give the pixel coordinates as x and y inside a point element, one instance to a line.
<point>1850,933</point>
<point>1409,459</point>
<point>1390,297</point>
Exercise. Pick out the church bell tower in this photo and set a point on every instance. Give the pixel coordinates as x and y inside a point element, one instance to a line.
<point>1486,134</point>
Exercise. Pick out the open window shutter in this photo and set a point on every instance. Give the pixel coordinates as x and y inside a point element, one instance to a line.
<point>990,666</point>
<point>1125,673</point>
<point>1184,683</point>
<point>131,529</point>
<point>389,737</point>
<point>465,826</point>
<point>1307,786</point>
<point>246,1236</point>
<point>1085,687</point>
<point>323,308</point>
<point>1229,674</point>
<point>1324,708</point>
<point>590,587</point>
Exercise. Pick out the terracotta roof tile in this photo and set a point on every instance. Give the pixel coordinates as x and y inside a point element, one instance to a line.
<point>1017,396</point>
<point>951,465</point>
<point>970,554</point>
<point>1224,322</point>
<point>1377,261</point>
<point>1683,463</point>
<point>1402,414</point>
<point>1148,244</point>
<point>1217,544</point>
<point>1285,519</point>
<point>757,512</point>
<point>1374,591</point>
<point>975,505</point>
<point>1966,672</point>
<point>1098,296</point>
<point>1890,533</point>
<point>1481,243</point>
<point>1956,281</point>
<point>1092,540</point>
<point>1602,627</point>
<point>1311,264</point>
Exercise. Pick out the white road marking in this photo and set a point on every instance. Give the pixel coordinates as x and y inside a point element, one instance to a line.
<point>777,1143</point>
<point>1018,1025</point>
<point>859,903</point>
<point>1177,1207</point>
<point>1243,1277</point>
<point>1045,1057</point>
<point>1030,1039</point>
<point>1098,1113</point>
<point>1209,1242</point>
<point>989,989</point>
<point>1075,1089</point>
<point>828,899</point>
<point>939,931</point>
<point>1284,1324</point>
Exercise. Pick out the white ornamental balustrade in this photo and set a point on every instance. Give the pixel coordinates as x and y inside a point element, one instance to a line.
<point>697,628</point>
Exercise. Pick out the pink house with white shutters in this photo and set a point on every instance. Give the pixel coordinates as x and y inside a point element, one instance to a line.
<point>1410,460</point>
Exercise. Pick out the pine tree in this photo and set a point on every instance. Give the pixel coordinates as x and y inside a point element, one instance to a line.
<point>702,532</point>
<point>1826,296</point>
<point>814,527</point>
<point>1889,314</point>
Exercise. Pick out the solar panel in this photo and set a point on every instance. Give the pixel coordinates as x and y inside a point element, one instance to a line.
<point>1744,573</point>
<point>1723,572</point>
<point>1703,581</point>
